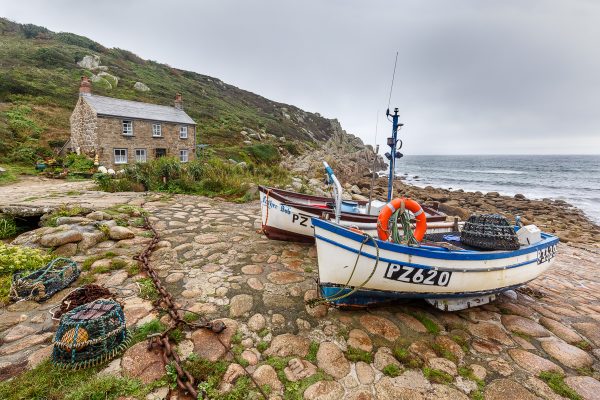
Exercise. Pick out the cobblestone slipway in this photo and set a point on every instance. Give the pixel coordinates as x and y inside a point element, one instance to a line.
<point>214,261</point>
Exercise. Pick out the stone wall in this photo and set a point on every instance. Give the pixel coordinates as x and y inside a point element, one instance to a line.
<point>110,137</point>
<point>83,128</point>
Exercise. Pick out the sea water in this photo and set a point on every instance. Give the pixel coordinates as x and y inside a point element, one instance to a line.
<point>575,179</point>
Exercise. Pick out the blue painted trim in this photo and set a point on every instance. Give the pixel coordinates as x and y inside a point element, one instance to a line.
<point>423,266</point>
<point>437,252</point>
<point>363,297</point>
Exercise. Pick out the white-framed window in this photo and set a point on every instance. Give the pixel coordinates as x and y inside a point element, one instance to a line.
<point>140,155</point>
<point>183,132</point>
<point>120,156</point>
<point>183,155</point>
<point>156,130</point>
<point>127,128</point>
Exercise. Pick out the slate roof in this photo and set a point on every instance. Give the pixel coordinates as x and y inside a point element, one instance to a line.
<point>137,110</point>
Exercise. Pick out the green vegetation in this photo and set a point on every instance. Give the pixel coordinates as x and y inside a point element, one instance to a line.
<point>140,334</point>
<point>63,211</point>
<point>462,342</point>
<point>13,171</point>
<point>391,370</point>
<point>263,332</point>
<point>430,325</point>
<point>8,226</point>
<point>353,354</point>
<point>210,178</point>
<point>18,258</point>
<point>147,289</point>
<point>583,345</point>
<point>87,263</point>
<point>557,384</point>
<point>52,383</point>
<point>437,376</point>
<point>467,373</point>
<point>262,346</point>
<point>312,351</point>
<point>79,163</point>
<point>442,352</point>
<point>190,317</point>
<point>402,354</point>
<point>293,390</point>
<point>210,374</point>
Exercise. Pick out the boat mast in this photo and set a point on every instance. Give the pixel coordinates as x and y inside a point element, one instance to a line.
<point>394,153</point>
<point>393,141</point>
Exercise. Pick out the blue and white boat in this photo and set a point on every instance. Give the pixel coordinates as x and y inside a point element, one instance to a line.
<point>356,269</point>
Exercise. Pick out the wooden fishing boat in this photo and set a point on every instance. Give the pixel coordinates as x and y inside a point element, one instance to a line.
<point>356,269</point>
<point>287,215</point>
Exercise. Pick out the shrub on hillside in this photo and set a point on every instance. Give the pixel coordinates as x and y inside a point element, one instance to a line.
<point>264,153</point>
<point>49,57</point>
<point>31,31</point>
<point>81,41</point>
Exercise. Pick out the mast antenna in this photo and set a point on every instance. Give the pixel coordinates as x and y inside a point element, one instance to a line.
<point>392,85</point>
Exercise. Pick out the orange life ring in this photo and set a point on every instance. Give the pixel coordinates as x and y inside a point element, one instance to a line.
<point>390,208</point>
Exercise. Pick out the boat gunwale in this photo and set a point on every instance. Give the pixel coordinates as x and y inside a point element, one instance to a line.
<point>348,216</point>
<point>430,251</point>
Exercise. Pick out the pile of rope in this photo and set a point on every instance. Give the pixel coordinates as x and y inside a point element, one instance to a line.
<point>80,296</point>
<point>401,219</point>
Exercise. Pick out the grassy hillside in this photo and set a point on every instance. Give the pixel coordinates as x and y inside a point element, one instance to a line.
<point>39,81</point>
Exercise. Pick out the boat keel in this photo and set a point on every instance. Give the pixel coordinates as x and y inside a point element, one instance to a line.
<point>461,303</point>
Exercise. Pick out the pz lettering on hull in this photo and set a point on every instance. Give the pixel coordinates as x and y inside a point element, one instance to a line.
<point>301,219</point>
<point>404,273</point>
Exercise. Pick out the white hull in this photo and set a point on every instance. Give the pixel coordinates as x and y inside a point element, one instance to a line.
<point>424,272</point>
<point>286,217</point>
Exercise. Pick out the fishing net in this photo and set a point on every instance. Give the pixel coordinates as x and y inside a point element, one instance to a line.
<point>489,232</point>
<point>90,334</point>
<point>80,296</point>
<point>43,283</point>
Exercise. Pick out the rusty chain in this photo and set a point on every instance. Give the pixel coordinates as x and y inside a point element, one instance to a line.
<point>185,381</point>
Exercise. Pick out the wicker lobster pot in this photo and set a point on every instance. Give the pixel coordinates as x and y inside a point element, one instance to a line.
<point>43,283</point>
<point>489,232</point>
<point>90,334</point>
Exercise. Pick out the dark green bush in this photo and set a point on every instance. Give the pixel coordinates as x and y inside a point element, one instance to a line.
<point>46,57</point>
<point>29,153</point>
<point>81,41</point>
<point>263,153</point>
<point>76,162</point>
<point>31,31</point>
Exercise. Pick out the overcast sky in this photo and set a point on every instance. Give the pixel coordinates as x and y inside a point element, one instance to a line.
<point>473,77</point>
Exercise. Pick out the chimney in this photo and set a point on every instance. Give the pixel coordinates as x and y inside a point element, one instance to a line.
<point>178,102</point>
<point>85,88</point>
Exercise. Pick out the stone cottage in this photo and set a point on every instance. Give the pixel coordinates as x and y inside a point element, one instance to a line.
<point>123,132</point>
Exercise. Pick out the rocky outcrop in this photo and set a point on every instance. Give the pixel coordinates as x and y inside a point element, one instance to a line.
<point>350,158</point>
<point>141,87</point>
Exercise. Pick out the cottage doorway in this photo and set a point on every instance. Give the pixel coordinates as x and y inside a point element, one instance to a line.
<point>160,153</point>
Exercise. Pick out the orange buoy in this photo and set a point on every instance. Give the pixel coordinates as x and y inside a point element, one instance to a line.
<point>391,207</point>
